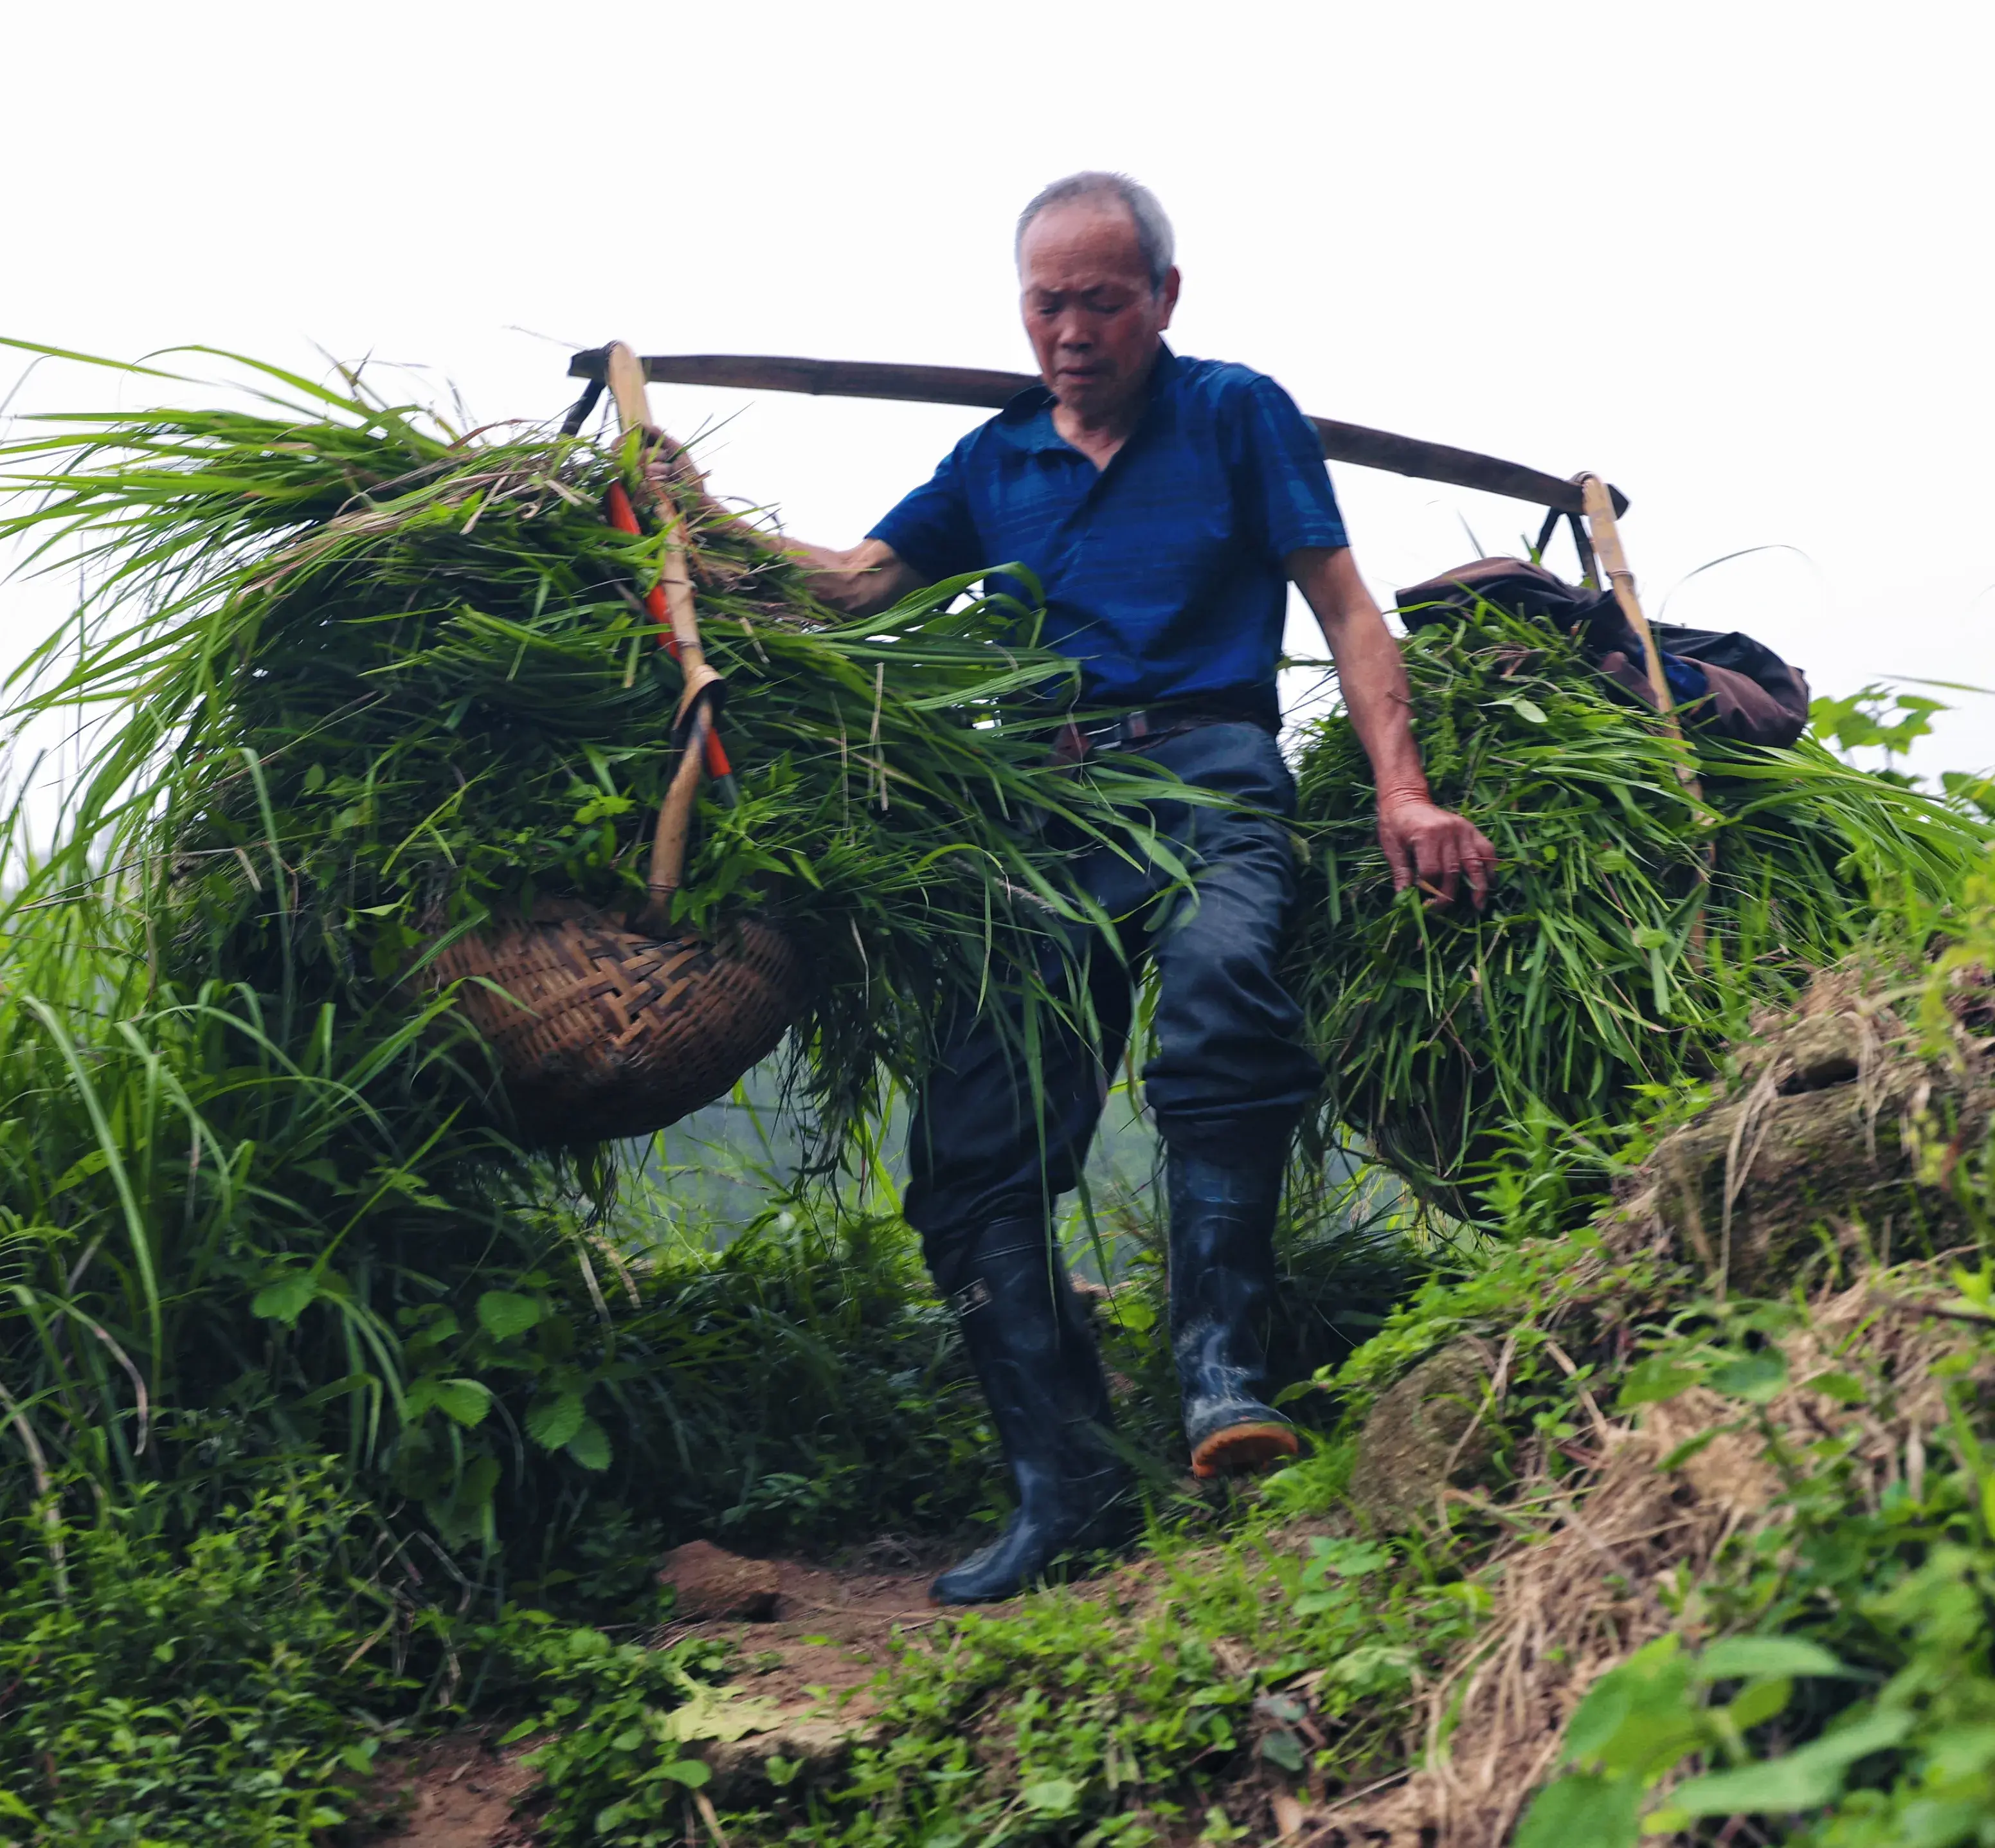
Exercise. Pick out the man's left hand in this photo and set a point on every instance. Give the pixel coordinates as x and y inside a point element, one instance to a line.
<point>1435,848</point>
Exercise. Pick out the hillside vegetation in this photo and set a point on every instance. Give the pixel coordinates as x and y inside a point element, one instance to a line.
<point>1649,1487</point>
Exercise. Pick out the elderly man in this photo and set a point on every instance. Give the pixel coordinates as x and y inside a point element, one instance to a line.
<point>1164,504</point>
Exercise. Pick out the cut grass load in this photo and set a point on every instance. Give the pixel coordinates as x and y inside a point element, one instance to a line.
<point>1633,928</point>
<point>351,683</point>
<point>369,683</point>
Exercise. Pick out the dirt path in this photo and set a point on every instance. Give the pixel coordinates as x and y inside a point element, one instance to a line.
<point>831,1633</point>
<point>455,1792</point>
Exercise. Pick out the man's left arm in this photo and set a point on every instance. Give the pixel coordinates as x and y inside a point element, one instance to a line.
<point>1425,844</point>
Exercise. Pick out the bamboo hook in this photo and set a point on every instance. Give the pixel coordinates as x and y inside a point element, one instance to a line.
<point>701,750</point>
<point>633,411</point>
<point>1621,581</point>
<point>1614,562</point>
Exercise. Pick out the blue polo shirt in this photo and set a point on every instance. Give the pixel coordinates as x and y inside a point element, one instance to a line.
<point>1162,572</point>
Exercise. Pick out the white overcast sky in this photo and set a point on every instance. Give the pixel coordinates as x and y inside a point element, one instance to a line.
<point>1737,257</point>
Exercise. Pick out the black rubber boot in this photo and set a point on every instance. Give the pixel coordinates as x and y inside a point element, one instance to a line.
<point>1222,1226</point>
<point>1030,1343</point>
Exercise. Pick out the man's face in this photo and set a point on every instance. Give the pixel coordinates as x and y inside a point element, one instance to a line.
<point>1090,313</point>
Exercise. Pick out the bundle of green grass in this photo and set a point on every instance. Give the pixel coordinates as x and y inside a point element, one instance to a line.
<point>370,683</point>
<point>1635,926</point>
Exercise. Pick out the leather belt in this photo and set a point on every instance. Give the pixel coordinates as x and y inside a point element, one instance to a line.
<point>1152,724</point>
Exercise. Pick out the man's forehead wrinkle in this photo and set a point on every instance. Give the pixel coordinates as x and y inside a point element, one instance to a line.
<point>1079,285</point>
<point>1083,236</point>
<point>1082,277</point>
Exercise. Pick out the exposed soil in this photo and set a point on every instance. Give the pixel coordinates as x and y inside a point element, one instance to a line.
<point>455,1792</point>
<point>832,1629</point>
<point>831,1634</point>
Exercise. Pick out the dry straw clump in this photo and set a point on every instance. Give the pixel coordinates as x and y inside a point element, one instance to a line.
<point>1590,1574</point>
<point>1840,1111</point>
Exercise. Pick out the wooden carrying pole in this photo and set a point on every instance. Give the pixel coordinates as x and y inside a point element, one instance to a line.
<point>1354,443</point>
<point>700,747</point>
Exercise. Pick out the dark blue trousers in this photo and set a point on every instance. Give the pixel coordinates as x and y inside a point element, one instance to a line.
<point>1230,1078</point>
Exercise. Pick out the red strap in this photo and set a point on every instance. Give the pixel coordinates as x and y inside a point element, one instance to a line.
<point>624,516</point>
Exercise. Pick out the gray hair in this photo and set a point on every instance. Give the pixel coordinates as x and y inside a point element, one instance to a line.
<point>1153,230</point>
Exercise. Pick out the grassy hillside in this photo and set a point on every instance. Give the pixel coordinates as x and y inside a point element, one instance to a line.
<point>1680,1524</point>
<point>1648,1493</point>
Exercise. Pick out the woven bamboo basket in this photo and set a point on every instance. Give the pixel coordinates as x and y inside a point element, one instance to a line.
<point>599,1029</point>
<point>601,1032</point>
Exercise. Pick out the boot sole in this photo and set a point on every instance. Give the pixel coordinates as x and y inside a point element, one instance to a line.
<point>1244,1450</point>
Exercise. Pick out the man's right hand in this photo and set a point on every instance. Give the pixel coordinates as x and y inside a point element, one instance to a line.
<point>871,577</point>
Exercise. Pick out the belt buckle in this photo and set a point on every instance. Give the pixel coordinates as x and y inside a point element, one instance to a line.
<point>1071,745</point>
<point>1131,728</point>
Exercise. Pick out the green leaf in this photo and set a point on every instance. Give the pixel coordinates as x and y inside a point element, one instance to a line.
<point>1652,1381</point>
<point>1347,1558</point>
<point>466,1401</point>
<point>689,1771</point>
<point>1279,1748</point>
<point>590,1446</point>
<point>461,1400</point>
<point>1802,1780</point>
<point>1689,1448</point>
<point>1758,1702</point>
<point>1052,1797</point>
<point>553,1423</point>
<point>466,1512</point>
<point>1755,1378</point>
<point>1838,1386</point>
<point>286,1299</point>
<point>709,1712</point>
<point>1373,1668</point>
<point>1585,1807</point>
<point>1636,1718</point>
<point>1740,1658</point>
<point>1977,1287</point>
<point>503,1313</point>
<point>11,1805</point>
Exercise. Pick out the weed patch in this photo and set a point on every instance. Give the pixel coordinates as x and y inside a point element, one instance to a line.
<point>237,1689</point>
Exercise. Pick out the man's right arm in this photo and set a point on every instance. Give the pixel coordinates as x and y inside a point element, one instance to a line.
<point>932,525</point>
<point>871,577</point>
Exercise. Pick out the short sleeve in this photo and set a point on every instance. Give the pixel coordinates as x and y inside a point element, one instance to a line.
<point>931,529</point>
<point>1286,475</point>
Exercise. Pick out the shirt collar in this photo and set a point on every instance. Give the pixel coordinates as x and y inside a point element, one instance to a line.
<point>1026,419</point>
